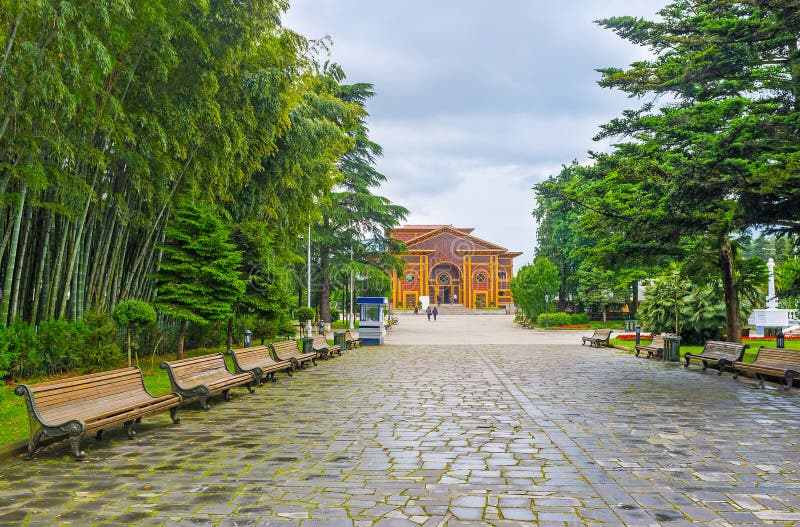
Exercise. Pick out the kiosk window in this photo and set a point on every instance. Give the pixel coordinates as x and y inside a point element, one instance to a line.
<point>372,313</point>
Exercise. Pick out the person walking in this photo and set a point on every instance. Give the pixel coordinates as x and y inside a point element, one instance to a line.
<point>435,313</point>
<point>428,312</point>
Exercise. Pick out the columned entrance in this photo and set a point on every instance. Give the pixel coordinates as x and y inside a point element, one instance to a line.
<point>445,283</point>
<point>449,265</point>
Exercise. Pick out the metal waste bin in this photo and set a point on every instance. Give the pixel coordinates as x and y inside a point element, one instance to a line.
<point>307,343</point>
<point>338,340</point>
<point>672,348</point>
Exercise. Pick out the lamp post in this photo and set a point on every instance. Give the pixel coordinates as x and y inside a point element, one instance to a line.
<point>308,277</point>
<point>352,315</point>
<point>546,315</point>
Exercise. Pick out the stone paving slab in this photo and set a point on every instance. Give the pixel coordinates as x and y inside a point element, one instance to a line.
<point>467,421</point>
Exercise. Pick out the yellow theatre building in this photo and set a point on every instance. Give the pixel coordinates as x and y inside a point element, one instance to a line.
<point>449,265</point>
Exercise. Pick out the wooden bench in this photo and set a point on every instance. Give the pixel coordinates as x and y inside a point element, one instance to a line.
<point>723,354</point>
<point>288,350</point>
<point>598,338</point>
<point>259,361</point>
<point>323,349</point>
<point>772,362</point>
<point>202,377</point>
<point>90,403</point>
<point>351,341</point>
<point>654,349</point>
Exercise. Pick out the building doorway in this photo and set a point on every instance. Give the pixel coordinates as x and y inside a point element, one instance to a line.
<point>446,281</point>
<point>444,294</point>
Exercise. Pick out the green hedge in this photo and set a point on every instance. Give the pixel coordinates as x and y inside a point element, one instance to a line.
<point>59,346</point>
<point>553,319</point>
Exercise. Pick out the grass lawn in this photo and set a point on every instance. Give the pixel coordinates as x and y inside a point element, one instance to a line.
<point>749,353</point>
<point>14,416</point>
<point>343,324</point>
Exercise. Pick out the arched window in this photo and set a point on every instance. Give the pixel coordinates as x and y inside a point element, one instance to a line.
<point>502,275</point>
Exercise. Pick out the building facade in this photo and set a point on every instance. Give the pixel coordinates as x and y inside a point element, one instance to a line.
<point>449,265</point>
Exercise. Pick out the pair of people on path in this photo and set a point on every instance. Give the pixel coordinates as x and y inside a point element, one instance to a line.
<point>434,312</point>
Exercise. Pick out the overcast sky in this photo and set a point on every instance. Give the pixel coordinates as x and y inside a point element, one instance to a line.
<point>477,101</point>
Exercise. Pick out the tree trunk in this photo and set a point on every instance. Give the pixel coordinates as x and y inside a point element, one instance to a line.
<point>22,251</point>
<point>129,346</point>
<point>230,333</point>
<point>83,268</point>
<point>325,283</point>
<point>181,335</point>
<point>12,256</point>
<point>80,226</point>
<point>42,290</point>
<point>55,279</point>
<point>732,316</point>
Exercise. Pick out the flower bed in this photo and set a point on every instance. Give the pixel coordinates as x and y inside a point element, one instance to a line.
<point>786,337</point>
<point>629,336</point>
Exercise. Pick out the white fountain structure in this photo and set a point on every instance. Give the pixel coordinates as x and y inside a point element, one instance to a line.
<point>768,321</point>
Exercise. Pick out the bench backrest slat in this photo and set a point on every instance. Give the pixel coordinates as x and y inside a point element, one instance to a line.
<point>195,367</point>
<point>86,387</point>
<point>780,357</point>
<point>285,346</point>
<point>251,357</point>
<point>731,351</point>
<point>601,333</point>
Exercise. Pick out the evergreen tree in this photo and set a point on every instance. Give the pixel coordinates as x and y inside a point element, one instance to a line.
<point>198,279</point>
<point>351,214</point>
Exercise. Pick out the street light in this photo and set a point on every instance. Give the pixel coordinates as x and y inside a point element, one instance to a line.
<point>546,319</point>
<point>308,277</point>
<point>352,314</point>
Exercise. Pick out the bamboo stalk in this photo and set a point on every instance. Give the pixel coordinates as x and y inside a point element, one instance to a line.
<point>12,256</point>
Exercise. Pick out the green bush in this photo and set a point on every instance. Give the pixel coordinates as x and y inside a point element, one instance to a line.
<point>577,319</point>
<point>100,350</point>
<point>59,346</point>
<point>305,313</point>
<point>23,346</point>
<point>553,319</point>
<point>9,354</point>
<point>334,314</point>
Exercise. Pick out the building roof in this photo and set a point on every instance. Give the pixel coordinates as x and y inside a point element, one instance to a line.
<point>415,234</point>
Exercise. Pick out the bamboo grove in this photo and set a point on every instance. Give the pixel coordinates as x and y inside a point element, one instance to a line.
<point>111,112</point>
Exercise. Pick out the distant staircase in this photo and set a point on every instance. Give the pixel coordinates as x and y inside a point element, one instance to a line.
<point>456,309</point>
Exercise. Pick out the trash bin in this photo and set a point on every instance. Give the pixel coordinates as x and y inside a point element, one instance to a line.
<point>307,343</point>
<point>338,340</point>
<point>779,339</point>
<point>672,348</point>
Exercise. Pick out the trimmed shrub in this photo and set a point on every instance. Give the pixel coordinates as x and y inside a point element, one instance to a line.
<point>334,314</point>
<point>577,319</point>
<point>553,319</point>
<point>305,313</point>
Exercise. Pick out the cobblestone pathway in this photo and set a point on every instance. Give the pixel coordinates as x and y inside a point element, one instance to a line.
<point>461,433</point>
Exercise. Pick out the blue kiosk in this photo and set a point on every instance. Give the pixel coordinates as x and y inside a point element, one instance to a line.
<point>372,323</point>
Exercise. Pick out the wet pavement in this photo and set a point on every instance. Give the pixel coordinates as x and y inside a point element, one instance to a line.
<point>465,421</point>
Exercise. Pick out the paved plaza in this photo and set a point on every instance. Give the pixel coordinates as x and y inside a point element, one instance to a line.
<point>466,421</point>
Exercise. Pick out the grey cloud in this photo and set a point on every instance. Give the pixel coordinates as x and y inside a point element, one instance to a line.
<point>477,101</point>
